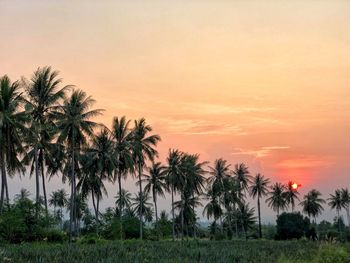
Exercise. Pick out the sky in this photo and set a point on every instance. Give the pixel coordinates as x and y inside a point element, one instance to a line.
<point>266,83</point>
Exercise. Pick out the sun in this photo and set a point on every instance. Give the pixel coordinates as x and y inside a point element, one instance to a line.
<point>295,186</point>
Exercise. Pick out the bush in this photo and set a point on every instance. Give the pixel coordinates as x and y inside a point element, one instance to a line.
<point>55,235</point>
<point>331,254</point>
<point>292,226</point>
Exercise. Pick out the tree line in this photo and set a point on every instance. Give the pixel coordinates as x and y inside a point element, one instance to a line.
<point>49,130</point>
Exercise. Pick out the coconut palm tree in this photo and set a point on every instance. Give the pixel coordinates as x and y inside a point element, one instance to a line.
<point>155,182</point>
<point>122,137</point>
<point>213,208</point>
<point>291,194</point>
<point>345,196</point>
<point>58,199</point>
<point>243,177</point>
<point>312,203</point>
<point>173,179</point>
<point>259,189</point>
<point>246,218</point>
<point>141,202</point>
<point>22,195</point>
<point>218,174</point>
<point>335,202</point>
<point>44,94</point>
<point>75,125</point>
<point>123,200</point>
<point>12,128</point>
<point>143,148</point>
<point>277,199</point>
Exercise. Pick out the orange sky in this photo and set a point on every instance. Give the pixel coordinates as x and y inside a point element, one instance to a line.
<point>263,83</point>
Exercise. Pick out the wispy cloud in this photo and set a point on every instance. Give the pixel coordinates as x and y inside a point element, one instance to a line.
<point>305,162</point>
<point>201,127</point>
<point>201,108</point>
<point>260,152</point>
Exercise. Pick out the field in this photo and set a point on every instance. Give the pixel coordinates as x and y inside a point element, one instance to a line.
<point>187,251</point>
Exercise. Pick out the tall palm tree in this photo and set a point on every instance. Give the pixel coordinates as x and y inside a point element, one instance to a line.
<point>155,183</point>
<point>277,200</point>
<point>143,148</point>
<point>259,188</point>
<point>173,178</point>
<point>123,156</point>
<point>12,128</point>
<point>335,202</point>
<point>123,200</point>
<point>74,124</point>
<point>345,196</point>
<point>43,94</point>
<point>243,178</point>
<point>291,194</point>
<point>312,203</point>
<point>101,162</point>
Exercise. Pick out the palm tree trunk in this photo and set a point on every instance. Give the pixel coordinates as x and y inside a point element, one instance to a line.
<point>72,199</point>
<point>182,219</point>
<point>348,214</point>
<point>36,162</point>
<point>172,211</point>
<point>44,188</point>
<point>3,174</point>
<point>97,210</point>
<point>61,218</point>
<point>120,204</point>
<point>94,204</point>
<point>259,215</point>
<point>155,207</point>
<point>141,212</point>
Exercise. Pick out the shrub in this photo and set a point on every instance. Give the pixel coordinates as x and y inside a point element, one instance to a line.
<point>55,235</point>
<point>292,226</point>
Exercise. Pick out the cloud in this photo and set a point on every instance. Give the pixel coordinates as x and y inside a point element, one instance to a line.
<point>201,127</point>
<point>305,162</point>
<point>261,152</point>
<point>201,108</point>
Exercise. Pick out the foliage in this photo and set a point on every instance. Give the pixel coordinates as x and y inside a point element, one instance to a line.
<point>292,226</point>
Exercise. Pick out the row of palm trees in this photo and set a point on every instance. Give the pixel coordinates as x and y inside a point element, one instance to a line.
<point>50,129</point>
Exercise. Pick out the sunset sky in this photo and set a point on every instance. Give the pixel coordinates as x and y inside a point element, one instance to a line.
<point>261,82</point>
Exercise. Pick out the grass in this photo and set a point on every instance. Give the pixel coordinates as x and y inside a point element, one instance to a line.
<point>167,251</point>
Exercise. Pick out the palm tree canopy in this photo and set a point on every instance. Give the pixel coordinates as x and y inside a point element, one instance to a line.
<point>123,199</point>
<point>173,169</point>
<point>242,175</point>
<point>219,173</point>
<point>312,203</point>
<point>155,180</point>
<point>335,201</point>
<point>277,198</point>
<point>259,186</point>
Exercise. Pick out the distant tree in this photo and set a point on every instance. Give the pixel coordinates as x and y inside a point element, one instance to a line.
<point>277,200</point>
<point>246,218</point>
<point>312,204</point>
<point>22,195</point>
<point>59,199</point>
<point>212,209</point>
<point>259,188</point>
<point>291,226</point>
<point>123,201</point>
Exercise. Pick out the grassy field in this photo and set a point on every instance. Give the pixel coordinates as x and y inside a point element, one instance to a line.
<point>167,251</point>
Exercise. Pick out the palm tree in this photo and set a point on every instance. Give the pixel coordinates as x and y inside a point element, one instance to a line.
<point>22,195</point>
<point>141,203</point>
<point>99,155</point>
<point>173,178</point>
<point>219,173</point>
<point>59,199</point>
<point>246,218</point>
<point>44,95</point>
<point>243,177</point>
<point>143,148</point>
<point>291,194</point>
<point>123,156</point>
<point>259,188</point>
<point>212,208</point>
<point>345,196</point>
<point>80,207</point>
<point>312,203</point>
<point>277,199</point>
<point>123,200</point>
<point>12,128</point>
<point>335,202</point>
<point>74,124</point>
<point>155,183</point>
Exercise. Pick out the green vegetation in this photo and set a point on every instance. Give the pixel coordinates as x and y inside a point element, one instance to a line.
<point>187,251</point>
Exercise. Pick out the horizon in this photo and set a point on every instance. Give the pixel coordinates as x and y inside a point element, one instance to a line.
<point>269,89</point>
